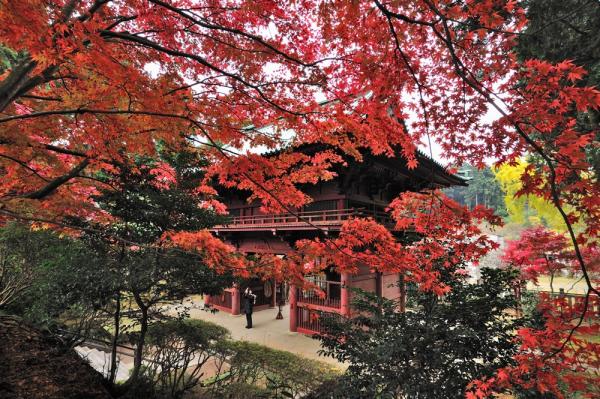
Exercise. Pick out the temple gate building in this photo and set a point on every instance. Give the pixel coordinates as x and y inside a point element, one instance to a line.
<point>360,189</point>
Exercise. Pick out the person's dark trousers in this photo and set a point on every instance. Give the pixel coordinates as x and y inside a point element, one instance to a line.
<point>248,320</point>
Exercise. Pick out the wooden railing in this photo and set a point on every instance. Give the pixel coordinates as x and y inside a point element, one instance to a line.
<point>335,215</point>
<point>312,320</point>
<point>576,300</point>
<point>308,319</point>
<point>332,290</point>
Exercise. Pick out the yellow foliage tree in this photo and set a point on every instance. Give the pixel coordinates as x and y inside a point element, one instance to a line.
<point>526,209</point>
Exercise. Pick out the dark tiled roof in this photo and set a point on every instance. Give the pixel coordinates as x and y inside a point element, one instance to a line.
<point>438,168</point>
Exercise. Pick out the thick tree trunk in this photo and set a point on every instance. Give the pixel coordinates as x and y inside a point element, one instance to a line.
<point>19,82</point>
<point>14,82</point>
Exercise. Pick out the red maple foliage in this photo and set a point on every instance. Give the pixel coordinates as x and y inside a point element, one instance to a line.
<point>92,80</point>
<point>539,252</point>
<point>560,353</point>
<point>553,355</point>
<point>444,232</point>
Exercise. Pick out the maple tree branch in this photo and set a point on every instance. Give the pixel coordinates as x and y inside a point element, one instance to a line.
<point>202,61</point>
<point>41,98</point>
<point>65,151</point>
<point>11,85</point>
<point>102,233</point>
<point>390,14</point>
<point>67,10</point>
<point>18,82</point>
<point>235,31</point>
<point>62,150</point>
<point>120,20</point>
<point>223,42</point>
<point>420,88</point>
<point>56,183</point>
<point>199,82</point>
<point>93,9</point>
<point>75,111</point>
<point>566,341</point>
<point>24,165</point>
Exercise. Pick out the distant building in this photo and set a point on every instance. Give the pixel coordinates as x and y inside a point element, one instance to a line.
<point>465,172</point>
<point>360,189</point>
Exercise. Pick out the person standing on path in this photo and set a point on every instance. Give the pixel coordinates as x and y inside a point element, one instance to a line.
<point>248,298</point>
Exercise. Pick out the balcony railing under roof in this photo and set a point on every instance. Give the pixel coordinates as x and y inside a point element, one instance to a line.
<point>302,220</point>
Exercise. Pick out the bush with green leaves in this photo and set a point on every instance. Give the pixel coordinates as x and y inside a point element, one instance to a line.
<point>55,282</point>
<point>177,352</point>
<point>433,350</point>
<point>17,269</point>
<point>237,390</point>
<point>278,374</point>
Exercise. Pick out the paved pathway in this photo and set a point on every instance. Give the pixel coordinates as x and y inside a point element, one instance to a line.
<point>266,330</point>
<point>100,360</point>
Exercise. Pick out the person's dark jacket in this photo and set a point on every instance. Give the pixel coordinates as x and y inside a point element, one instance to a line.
<point>248,303</point>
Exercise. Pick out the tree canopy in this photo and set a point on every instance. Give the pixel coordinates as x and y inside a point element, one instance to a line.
<point>482,189</point>
<point>86,85</point>
<point>525,209</point>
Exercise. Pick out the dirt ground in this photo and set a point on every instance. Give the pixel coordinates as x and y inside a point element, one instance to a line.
<point>34,366</point>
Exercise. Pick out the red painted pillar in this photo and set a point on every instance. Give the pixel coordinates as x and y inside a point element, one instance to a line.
<point>235,301</point>
<point>345,295</point>
<point>340,206</point>
<point>206,300</point>
<point>293,313</point>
